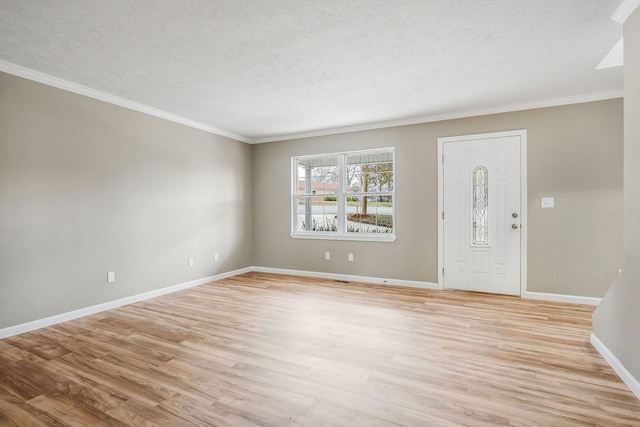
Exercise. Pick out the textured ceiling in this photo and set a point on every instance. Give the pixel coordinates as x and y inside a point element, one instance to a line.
<point>272,68</point>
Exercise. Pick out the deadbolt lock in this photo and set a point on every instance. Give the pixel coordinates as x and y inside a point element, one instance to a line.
<point>515,215</point>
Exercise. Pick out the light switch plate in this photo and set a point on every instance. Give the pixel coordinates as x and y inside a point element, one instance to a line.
<point>547,202</point>
<point>111,276</point>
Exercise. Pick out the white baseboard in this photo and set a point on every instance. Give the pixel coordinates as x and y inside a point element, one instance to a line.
<point>561,298</point>
<point>64,317</point>
<point>612,360</point>
<point>417,284</point>
<point>75,314</point>
<point>347,277</point>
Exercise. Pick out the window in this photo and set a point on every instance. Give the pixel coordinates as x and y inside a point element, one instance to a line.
<point>344,196</point>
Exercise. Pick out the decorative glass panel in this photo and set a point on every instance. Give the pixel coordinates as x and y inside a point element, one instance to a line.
<point>480,205</point>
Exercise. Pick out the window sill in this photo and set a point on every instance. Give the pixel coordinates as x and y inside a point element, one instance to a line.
<point>334,236</point>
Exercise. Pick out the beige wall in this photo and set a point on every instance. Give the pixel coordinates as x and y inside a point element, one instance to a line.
<point>87,187</point>
<point>616,322</point>
<point>574,154</point>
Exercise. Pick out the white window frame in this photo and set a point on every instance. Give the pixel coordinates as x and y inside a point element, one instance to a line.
<point>341,196</point>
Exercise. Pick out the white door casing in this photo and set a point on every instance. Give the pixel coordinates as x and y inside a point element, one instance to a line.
<point>475,258</point>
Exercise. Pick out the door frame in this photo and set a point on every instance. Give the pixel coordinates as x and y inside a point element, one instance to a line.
<point>523,198</point>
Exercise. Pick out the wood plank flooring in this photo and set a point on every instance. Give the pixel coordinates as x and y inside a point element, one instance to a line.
<point>263,349</point>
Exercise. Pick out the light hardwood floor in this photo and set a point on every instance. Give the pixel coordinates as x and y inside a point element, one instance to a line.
<point>262,349</point>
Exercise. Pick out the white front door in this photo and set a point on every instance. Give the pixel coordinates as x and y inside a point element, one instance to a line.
<point>482,213</point>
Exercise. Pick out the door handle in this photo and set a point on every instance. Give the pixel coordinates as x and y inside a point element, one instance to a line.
<point>514,226</point>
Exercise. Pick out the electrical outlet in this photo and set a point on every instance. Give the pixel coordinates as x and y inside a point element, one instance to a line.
<point>327,256</point>
<point>190,262</point>
<point>216,258</point>
<point>111,276</point>
<point>351,257</point>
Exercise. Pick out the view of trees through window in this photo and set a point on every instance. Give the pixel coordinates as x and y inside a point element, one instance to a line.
<point>345,192</point>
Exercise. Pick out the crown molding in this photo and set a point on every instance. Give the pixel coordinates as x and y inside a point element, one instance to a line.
<point>553,102</point>
<point>59,83</point>
<point>37,76</point>
<point>625,10</point>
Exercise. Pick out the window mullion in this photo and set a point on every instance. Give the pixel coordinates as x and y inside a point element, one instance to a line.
<point>342,200</point>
